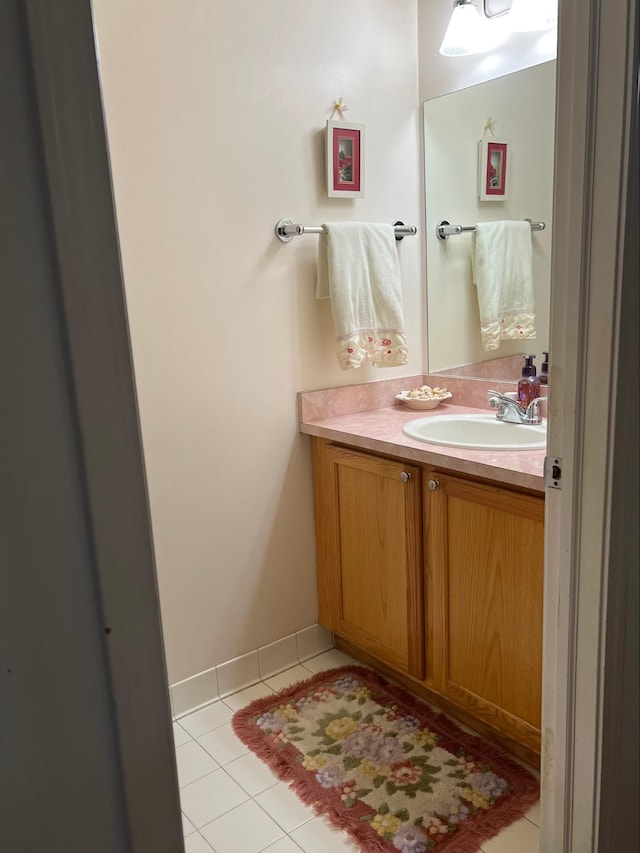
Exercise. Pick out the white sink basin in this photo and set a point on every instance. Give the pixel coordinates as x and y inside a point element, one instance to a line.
<point>477,432</point>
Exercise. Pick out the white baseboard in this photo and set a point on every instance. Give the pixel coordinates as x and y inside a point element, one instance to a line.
<point>248,669</point>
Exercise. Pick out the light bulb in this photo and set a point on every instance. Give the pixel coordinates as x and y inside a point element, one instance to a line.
<point>460,37</point>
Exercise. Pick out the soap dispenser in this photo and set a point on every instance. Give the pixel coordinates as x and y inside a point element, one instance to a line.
<point>544,370</point>
<point>528,384</point>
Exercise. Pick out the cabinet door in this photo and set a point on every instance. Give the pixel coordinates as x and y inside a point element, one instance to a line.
<point>485,558</point>
<point>369,547</point>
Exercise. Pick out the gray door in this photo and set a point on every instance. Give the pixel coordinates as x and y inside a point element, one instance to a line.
<point>86,753</point>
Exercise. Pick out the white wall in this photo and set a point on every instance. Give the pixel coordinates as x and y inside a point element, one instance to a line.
<point>523,103</point>
<point>215,114</point>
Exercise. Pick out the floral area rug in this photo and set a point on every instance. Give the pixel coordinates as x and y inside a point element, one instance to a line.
<point>384,767</point>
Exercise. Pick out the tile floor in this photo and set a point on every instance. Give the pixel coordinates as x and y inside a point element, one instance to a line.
<point>232,803</point>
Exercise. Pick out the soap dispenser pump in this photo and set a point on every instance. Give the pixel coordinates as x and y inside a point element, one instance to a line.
<point>544,370</point>
<point>528,384</point>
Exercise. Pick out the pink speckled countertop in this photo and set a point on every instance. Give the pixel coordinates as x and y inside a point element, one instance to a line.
<point>380,430</point>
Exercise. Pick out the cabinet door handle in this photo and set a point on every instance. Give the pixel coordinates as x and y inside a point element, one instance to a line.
<point>433,485</point>
<point>405,476</point>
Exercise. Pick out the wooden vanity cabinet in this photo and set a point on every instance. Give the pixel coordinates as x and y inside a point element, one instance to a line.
<point>485,555</point>
<point>439,577</point>
<point>369,553</point>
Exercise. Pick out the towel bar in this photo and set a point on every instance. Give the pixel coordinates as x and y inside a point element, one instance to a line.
<point>444,229</point>
<point>286,230</point>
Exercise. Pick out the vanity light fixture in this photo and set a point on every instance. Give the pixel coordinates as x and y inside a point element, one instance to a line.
<point>470,31</point>
<point>477,26</point>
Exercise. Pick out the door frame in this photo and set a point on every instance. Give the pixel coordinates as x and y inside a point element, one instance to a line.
<point>586,570</point>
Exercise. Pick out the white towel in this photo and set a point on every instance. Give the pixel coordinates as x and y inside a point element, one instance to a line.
<point>358,269</point>
<point>503,273</point>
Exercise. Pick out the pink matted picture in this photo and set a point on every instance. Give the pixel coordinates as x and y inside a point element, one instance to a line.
<point>493,169</point>
<point>345,161</point>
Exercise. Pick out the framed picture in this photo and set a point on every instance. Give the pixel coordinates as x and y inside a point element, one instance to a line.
<point>493,169</point>
<point>345,161</point>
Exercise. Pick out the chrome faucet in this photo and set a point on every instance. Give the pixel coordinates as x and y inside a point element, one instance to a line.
<point>510,411</point>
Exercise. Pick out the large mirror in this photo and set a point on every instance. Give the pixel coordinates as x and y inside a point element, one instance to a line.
<point>522,105</point>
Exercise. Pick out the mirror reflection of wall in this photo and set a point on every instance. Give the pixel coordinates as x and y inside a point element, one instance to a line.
<point>523,105</point>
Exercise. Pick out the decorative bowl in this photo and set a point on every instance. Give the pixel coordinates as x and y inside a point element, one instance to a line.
<point>422,403</point>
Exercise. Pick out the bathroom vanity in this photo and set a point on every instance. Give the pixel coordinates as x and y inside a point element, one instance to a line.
<point>430,566</point>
